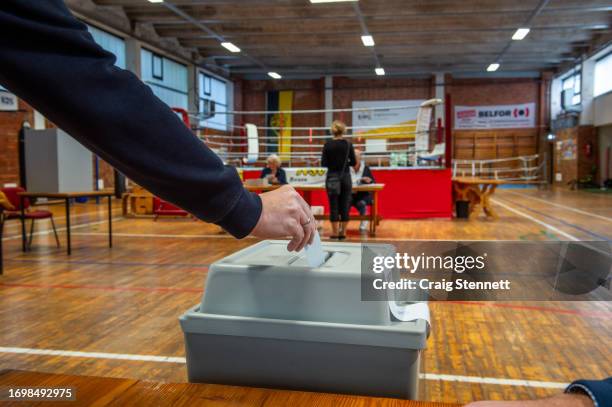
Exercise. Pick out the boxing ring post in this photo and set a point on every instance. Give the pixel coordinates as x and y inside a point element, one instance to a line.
<point>448,117</point>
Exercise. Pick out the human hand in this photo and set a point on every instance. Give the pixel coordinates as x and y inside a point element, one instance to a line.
<point>561,400</point>
<point>284,213</point>
<point>366,180</point>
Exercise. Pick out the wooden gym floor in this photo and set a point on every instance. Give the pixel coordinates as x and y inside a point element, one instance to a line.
<point>113,312</point>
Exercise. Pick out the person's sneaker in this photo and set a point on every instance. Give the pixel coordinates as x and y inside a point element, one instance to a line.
<point>364,225</point>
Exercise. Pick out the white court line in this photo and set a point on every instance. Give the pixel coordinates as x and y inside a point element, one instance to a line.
<point>148,235</point>
<point>531,218</point>
<point>94,355</point>
<point>350,239</point>
<point>17,225</point>
<point>181,360</point>
<point>80,226</point>
<point>606,218</point>
<point>493,380</point>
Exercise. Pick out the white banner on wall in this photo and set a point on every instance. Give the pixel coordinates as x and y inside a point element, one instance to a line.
<point>495,117</point>
<point>8,101</point>
<point>385,123</point>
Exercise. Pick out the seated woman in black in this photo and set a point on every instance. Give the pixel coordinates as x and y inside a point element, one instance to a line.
<point>361,174</point>
<point>273,171</point>
<point>338,155</point>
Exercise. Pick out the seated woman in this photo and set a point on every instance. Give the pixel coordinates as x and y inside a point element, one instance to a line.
<point>361,174</point>
<point>273,171</point>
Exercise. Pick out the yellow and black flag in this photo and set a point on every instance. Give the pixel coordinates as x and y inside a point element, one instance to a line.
<point>279,123</point>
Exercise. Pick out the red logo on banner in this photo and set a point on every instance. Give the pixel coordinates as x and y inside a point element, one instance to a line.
<point>466,113</point>
<point>521,112</point>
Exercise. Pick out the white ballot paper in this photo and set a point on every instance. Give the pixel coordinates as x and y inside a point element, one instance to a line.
<point>410,312</point>
<point>315,256</point>
<point>406,312</point>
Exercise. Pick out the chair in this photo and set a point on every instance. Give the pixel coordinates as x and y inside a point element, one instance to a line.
<point>12,195</point>
<point>163,208</point>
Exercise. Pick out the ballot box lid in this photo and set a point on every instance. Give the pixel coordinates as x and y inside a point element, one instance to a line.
<point>267,281</point>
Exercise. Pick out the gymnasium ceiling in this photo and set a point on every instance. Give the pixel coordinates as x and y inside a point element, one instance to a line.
<point>297,38</point>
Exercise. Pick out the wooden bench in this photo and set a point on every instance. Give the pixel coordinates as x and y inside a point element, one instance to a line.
<point>106,391</point>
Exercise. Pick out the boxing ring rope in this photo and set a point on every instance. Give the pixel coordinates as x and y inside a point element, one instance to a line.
<point>521,168</point>
<point>312,111</point>
<point>395,143</point>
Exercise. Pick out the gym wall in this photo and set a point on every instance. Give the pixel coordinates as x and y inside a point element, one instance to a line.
<point>468,144</point>
<point>495,143</point>
<point>10,124</point>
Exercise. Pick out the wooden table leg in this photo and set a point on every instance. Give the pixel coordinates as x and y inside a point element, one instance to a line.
<point>124,204</point>
<point>110,221</point>
<point>475,198</point>
<point>23,228</point>
<point>461,191</point>
<point>488,191</point>
<point>69,247</point>
<point>374,213</point>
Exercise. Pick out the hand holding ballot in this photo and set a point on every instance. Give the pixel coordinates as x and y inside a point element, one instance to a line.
<point>285,213</point>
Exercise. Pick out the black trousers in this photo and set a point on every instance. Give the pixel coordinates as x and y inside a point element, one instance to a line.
<point>339,204</point>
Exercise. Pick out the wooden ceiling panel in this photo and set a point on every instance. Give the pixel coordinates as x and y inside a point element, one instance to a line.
<point>416,35</point>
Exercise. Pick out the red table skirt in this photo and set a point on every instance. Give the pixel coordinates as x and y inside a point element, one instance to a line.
<point>408,193</point>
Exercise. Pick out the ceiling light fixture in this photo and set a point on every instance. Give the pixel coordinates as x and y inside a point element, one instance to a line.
<point>367,40</point>
<point>230,47</point>
<point>330,1</point>
<point>274,75</point>
<point>156,1</point>
<point>493,67</point>
<point>380,71</point>
<point>520,34</point>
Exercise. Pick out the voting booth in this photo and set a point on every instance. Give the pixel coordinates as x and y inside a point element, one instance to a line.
<point>267,319</point>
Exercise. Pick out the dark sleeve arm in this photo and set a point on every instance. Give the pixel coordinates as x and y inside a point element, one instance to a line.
<point>48,58</point>
<point>351,156</point>
<point>600,391</point>
<point>282,176</point>
<point>324,156</point>
<point>368,173</point>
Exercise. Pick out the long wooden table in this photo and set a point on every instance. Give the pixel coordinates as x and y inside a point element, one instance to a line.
<point>106,391</point>
<point>478,192</point>
<point>67,196</point>
<point>307,190</point>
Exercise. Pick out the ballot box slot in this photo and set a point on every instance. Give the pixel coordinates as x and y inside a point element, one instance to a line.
<point>294,259</point>
<point>333,258</point>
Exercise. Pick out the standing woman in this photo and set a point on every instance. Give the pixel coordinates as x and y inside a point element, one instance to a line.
<point>338,156</point>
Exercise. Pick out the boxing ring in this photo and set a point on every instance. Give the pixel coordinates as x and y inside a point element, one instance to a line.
<point>414,164</point>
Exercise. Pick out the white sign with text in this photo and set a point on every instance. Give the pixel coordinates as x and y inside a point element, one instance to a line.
<point>495,116</point>
<point>8,101</point>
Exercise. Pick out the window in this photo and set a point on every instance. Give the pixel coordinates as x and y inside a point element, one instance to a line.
<point>213,100</point>
<point>166,78</point>
<point>573,82</point>
<point>603,75</point>
<point>110,43</point>
<point>157,67</point>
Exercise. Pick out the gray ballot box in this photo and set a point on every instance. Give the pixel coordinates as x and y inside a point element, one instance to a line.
<point>268,320</point>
